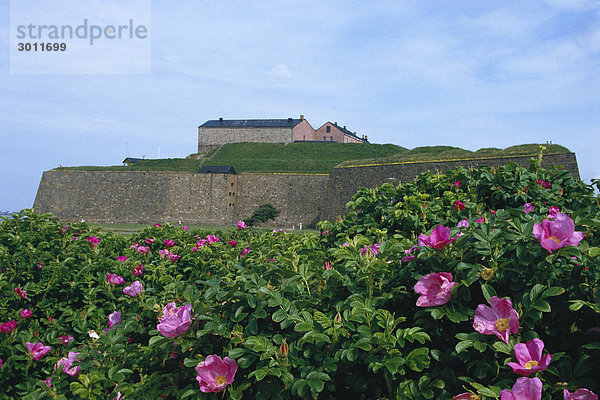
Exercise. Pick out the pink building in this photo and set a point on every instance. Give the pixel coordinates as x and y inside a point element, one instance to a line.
<point>332,132</point>
<point>214,133</point>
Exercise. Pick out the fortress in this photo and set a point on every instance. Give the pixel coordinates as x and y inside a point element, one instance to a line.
<point>214,133</point>
<point>223,197</point>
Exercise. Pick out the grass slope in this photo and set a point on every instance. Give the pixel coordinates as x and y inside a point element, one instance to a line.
<point>431,153</point>
<point>168,164</point>
<point>318,157</point>
<point>305,157</point>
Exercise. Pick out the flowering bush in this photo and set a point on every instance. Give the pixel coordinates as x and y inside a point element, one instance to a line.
<point>366,311</point>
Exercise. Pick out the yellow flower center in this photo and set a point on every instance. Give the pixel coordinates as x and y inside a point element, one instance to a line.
<point>220,380</point>
<point>531,364</point>
<point>474,397</point>
<point>502,324</point>
<point>487,273</point>
<point>557,240</point>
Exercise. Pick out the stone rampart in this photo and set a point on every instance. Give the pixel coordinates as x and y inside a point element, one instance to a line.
<point>298,197</point>
<point>200,199</point>
<point>223,199</point>
<point>344,182</point>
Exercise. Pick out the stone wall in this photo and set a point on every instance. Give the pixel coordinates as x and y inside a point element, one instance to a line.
<point>200,199</point>
<point>134,197</point>
<point>209,137</point>
<point>344,182</point>
<point>298,197</point>
<point>224,199</point>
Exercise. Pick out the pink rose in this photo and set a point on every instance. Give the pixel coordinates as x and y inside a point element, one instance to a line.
<point>214,373</point>
<point>523,389</point>
<point>439,238</point>
<point>435,289</point>
<point>529,357</point>
<point>133,290</point>
<point>114,279</point>
<point>175,321</point>
<point>67,364</point>
<point>500,320</point>
<point>37,350</point>
<point>557,233</point>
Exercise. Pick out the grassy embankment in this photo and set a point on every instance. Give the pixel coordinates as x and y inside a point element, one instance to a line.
<point>318,158</point>
<point>315,158</point>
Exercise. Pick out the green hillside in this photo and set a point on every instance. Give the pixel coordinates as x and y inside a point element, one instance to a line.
<point>167,164</point>
<point>430,153</point>
<point>307,157</point>
<point>317,157</point>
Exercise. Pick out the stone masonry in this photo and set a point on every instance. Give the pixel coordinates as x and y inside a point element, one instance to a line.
<point>223,199</point>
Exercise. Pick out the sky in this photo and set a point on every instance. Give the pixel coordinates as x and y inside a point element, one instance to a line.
<point>470,74</point>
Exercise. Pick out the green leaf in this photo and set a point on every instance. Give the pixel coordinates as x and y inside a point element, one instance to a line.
<point>553,291</point>
<point>279,315</point>
<point>318,375</point>
<point>503,347</point>
<point>592,346</point>
<point>303,327</point>
<point>487,291</point>
<point>542,305</point>
<point>189,362</point>
<point>535,291</point>
<point>236,352</point>
<point>594,251</point>
<point>259,374</point>
<point>364,344</point>
<point>576,305</point>
<point>322,319</point>
<point>436,313</point>
<point>316,384</point>
<point>418,359</point>
<point>156,339</point>
<point>189,393</point>
<point>488,392</point>
<point>462,345</point>
<point>234,393</point>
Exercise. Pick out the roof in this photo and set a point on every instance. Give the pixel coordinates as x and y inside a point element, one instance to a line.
<point>131,160</point>
<point>216,169</point>
<point>345,131</point>
<point>251,123</point>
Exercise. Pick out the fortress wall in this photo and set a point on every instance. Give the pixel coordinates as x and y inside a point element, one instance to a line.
<point>149,197</point>
<point>297,196</point>
<point>133,197</point>
<point>209,138</point>
<point>223,199</point>
<point>345,182</point>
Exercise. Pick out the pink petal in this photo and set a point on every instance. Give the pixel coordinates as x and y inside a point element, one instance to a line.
<point>527,389</point>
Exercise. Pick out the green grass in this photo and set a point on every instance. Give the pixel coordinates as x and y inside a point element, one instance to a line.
<point>432,153</point>
<point>297,157</point>
<point>169,164</point>
<point>314,158</point>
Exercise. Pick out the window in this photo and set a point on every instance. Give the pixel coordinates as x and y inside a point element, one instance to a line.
<point>324,138</point>
<point>331,138</point>
<point>328,129</point>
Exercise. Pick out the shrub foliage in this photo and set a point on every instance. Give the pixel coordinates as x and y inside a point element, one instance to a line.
<point>264,213</point>
<point>329,315</point>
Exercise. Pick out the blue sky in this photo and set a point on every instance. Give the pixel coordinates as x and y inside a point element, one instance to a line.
<point>470,74</point>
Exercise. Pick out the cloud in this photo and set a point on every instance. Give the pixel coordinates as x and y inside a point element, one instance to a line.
<point>281,70</point>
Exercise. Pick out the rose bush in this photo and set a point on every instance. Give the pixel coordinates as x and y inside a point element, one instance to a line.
<point>329,315</point>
